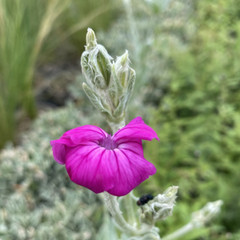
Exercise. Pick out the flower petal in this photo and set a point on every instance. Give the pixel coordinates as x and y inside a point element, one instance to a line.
<point>136,129</point>
<point>132,169</point>
<point>84,135</point>
<point>117,172</point>
<point>132,145</point>
<point>59,151</point>
<point>99,168</point>
<point>91,167</point>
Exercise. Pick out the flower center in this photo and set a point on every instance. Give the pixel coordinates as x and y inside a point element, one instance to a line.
<point>108,143</point>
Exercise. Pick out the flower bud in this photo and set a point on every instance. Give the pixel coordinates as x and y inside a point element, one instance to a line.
<point>109,84</point>
<point>124,74</point>
<point>91,39</point>
<point>122,69</point>
<point>123,78</point>
<point>204,215</point>
<point>160,207</point>
<point>163,203</point>
<point>96,63</point>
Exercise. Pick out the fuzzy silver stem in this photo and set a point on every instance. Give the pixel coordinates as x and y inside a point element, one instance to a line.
<point>116,126</point>
<point>180,232</point>
<point>199,219</point>
<point>113,207</point>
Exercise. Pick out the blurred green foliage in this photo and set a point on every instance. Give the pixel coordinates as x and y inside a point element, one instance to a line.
<point>24,25</point>
<point>67,40</point>
<point>31,32</point>
<point>198,120</point>
<point>150,31</point>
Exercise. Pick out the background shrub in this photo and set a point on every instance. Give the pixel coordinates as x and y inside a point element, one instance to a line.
<point>198,120</point>
<point>38,200</point>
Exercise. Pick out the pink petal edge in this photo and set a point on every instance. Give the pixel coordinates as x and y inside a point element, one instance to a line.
<point>83,135</point>
<point>136,129</point>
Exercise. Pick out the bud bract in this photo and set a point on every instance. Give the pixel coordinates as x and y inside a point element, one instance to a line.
<point>108,84</point>
<point>96,64</point>
<point>91,39</point>
<point>160,207</point>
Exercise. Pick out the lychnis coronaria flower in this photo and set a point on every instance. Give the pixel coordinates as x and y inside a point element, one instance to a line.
<point>101,162</point>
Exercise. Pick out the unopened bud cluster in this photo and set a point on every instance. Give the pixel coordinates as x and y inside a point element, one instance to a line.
<point>160,207</point>
<point>109,83</point>
<point>206,214</point>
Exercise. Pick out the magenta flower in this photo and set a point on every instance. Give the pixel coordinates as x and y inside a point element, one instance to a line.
<point>101,162</point>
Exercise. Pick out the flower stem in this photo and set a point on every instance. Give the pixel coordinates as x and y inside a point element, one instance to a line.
<point>113,207</point>
<point>116,126</point>
<point>180,232</point>
<point>131,217</point>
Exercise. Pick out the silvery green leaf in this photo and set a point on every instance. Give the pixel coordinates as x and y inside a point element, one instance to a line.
<point>96,101</point>
<point>119,111</point>
<point>104,63</point>
<point>115,82</point>
<point>107,230</point>
<point>114,96</point>
<point>99,82</point>
<point>122,69</point>
<point>96,64</point>
<point>87,69</point>
<point>131,80</point>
